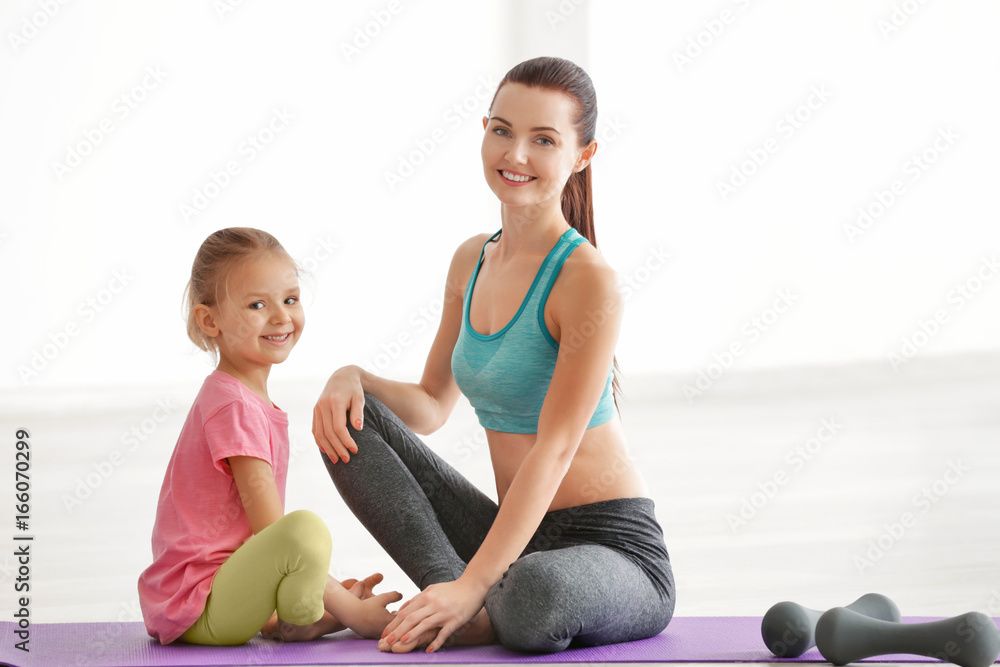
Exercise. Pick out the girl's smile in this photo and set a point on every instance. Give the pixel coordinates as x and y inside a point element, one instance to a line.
<point>278,339</point>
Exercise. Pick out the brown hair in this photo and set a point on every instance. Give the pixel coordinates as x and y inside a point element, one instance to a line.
<point>218,255</point>
<point>566,77</point>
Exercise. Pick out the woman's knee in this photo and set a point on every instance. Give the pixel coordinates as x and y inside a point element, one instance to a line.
<point>375,410</point>
<point>376,441</point>
<point>527,608</point>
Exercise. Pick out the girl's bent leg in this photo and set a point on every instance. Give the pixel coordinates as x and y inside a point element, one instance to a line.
<point>283,567</point>
<point>427,516</point>
<point>587,594</point>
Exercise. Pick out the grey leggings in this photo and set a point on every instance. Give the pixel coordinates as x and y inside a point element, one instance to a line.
<point>593,574</point>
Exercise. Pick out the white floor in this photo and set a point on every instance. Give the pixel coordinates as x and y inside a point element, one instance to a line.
<point>899,494</point>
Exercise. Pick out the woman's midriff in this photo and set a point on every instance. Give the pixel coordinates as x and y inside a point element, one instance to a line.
<point>601,469</point>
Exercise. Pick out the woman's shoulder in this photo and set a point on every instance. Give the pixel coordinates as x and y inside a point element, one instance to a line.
<point>464,261</point>
<point>587,266</point>
<point>586,277</point>
<point>472,246</point>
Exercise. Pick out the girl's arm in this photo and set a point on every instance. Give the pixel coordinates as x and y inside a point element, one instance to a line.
<point>422,406</point>
<point>258,491</point>
<point>589,318</point>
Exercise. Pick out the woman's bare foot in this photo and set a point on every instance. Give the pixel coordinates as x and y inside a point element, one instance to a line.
<point>477,631</point>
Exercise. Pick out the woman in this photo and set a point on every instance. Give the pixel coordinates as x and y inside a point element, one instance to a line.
<point>527,333</point>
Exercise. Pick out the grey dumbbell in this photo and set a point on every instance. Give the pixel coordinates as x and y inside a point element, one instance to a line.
<point>789,629</point>
<point>969,640</point>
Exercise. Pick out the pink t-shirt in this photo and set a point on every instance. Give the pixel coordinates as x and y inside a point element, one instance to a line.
<point>200,519</point>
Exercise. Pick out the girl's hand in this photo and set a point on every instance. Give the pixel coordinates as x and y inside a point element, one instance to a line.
<point>371,616</point>
<point>342,394</point>
<point>365,588</point>
<point>443,608</point>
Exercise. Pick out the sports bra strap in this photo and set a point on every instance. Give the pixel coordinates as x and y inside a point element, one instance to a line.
<point>548,278</point>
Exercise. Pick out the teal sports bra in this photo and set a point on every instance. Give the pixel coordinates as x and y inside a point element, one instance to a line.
<point>506,375</point>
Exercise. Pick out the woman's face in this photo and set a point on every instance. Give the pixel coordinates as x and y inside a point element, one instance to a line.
<point>531,146</point>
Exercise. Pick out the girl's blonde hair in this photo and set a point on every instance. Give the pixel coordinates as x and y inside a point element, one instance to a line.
<point>218,255</point>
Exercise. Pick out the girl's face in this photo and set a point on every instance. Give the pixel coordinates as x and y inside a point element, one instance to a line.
<point>531,147</point>
<point>259,319</point>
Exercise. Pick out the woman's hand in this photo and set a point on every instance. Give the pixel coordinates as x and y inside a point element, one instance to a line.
<point>432,616</point>
<point>342,394</point>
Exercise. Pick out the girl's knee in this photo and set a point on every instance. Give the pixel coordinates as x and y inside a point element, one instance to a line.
<point>305,533</point>
<point>299,521</point>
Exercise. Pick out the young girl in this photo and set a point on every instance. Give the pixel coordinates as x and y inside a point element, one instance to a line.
<point>573,553</point>
<point>225,555</point>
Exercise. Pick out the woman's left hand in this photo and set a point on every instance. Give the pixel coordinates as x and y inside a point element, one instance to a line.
<point>431,616</point>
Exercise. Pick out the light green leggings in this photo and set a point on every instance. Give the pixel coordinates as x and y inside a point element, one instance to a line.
<point>282,568</point>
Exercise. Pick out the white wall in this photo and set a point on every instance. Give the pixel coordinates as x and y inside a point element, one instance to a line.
<point>670,133</point>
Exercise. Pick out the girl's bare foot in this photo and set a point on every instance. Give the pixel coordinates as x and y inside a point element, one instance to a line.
<point>275,628</point>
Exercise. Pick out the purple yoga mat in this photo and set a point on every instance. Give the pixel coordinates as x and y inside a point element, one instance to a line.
<point>692,639</point>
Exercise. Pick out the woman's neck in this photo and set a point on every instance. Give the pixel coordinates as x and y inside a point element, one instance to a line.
<point>529,229</point>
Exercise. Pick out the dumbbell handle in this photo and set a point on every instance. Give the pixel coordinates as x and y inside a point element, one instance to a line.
<point>968,640</point>
<point>789,629</point>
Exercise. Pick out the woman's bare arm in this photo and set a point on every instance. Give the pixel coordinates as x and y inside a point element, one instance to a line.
<point>423,406</point>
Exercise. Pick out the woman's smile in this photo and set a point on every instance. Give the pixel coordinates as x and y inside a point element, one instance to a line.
<point>514,178</point>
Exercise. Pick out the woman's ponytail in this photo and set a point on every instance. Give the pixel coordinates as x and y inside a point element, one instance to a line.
<point>577,199</point>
